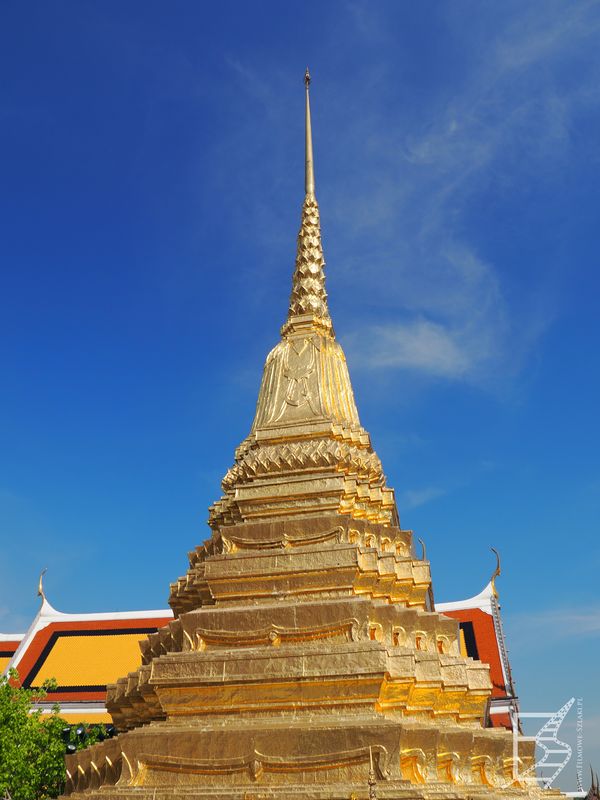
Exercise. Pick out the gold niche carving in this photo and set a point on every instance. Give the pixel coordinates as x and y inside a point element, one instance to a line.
<point>482,768</point>
<point>413,764</point>
<point>448,767</point>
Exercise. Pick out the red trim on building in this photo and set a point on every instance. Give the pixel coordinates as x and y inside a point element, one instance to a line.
<point>489,652</point>
<point>8,648</point>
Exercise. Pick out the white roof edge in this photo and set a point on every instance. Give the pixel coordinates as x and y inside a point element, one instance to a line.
<point>50,614</point>
<point>11,637</point>
<point>33,628</point>
<point>75,708</point>
<point>483,601</point>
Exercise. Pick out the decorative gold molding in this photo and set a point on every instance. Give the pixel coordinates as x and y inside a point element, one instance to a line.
<point>256,764</point>
<point>232,544</point>
<point>275,634</point>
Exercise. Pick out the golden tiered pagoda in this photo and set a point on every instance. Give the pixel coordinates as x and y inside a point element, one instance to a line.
<point>305,659</point>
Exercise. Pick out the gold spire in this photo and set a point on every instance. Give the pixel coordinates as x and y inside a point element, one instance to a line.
<point>309,170</point>
<point>308,301</point>
<point>306,452</point>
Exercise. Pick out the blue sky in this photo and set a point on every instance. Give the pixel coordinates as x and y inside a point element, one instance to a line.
<point>152,178</point>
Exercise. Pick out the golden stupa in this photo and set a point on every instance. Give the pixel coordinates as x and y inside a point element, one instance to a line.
<point>305,659</point>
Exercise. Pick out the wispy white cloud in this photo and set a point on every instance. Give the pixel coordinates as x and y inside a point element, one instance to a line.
<point>558,624</point>
<point>418,344</point>
<point>532,36</point>
<point>507,124</point>
<point>451,329</point>
<point>398,185</point>
<point>413,498</point>
<point>11,622</point>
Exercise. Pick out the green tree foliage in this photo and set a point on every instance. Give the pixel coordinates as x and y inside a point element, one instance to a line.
<point>31,747</point>
<point>32,744</point>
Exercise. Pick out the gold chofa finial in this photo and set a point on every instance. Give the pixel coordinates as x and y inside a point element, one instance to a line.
<point>496,572</point>
<point>309,171</point>
<point>40,591</point>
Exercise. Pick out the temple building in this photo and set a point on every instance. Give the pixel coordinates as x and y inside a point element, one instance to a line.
<point>82,652</point>
<point>305,657</point>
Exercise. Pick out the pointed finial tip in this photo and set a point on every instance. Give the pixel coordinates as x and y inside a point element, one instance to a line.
<point>40,591</point>
<point>496,572</point>
<point>309,173</point>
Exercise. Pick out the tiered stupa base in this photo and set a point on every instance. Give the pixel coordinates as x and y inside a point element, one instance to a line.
<point>314,656</point>
<point>325,759</point>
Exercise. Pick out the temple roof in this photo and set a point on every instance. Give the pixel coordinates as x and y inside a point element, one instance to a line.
<point>82,652</point>
<point>482,637</point>
<point>8,645</point>
<point>482,601</point>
